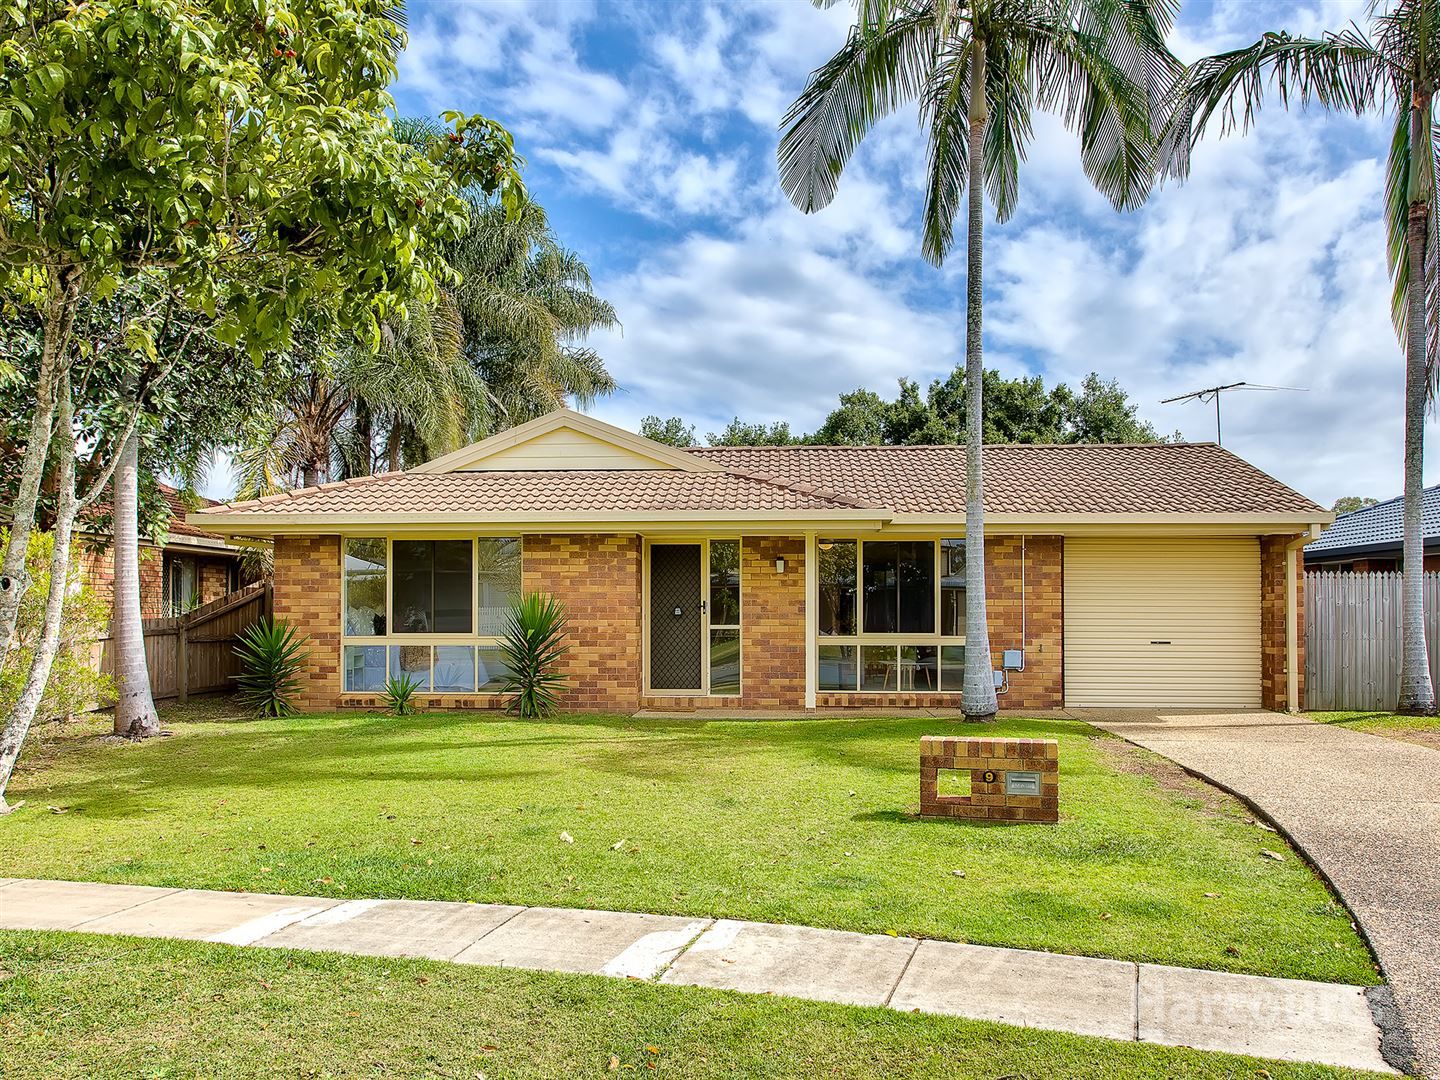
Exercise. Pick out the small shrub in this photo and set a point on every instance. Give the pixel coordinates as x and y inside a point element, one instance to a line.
<point>398,693</point>
<point>272,656</point>
<point>75,683</point>
<point>533,646</point>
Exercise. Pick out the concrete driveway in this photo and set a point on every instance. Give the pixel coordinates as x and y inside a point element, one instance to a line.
<point>1364,809</point>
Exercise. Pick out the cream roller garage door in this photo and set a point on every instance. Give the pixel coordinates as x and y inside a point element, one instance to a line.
<point>1162,623</point>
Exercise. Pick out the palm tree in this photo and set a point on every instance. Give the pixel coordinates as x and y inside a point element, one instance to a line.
<point>501,345</point>
<point>979,69</point>
<point>1396,66</point>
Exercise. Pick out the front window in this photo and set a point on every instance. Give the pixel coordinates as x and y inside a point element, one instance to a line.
<point>891,615</point>
<point>427,610</point>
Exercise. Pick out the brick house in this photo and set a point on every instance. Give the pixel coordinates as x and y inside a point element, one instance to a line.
<point>797,577</point>
<point>192,568</point>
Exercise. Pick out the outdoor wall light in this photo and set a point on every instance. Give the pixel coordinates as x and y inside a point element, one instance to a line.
<point>780,565</point>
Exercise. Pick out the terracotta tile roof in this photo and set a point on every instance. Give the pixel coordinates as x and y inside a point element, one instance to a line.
<point>579,491</point>
<point>178,527</point>
<point>1085,479</point>
<point>1036,479</point>
<point>179,508</point>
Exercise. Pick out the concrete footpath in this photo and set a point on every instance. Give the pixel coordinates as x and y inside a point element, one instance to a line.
<point>1275,1018</point>
<point>1362,808</point>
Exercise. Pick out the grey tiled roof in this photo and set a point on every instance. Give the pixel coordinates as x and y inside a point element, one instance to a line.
<point>1378,526</point>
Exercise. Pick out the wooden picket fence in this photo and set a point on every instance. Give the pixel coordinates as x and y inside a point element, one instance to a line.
<point>1352,639</point>
<point>194,653</point>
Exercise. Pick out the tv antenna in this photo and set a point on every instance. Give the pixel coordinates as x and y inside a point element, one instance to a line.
<point>1212,393</point>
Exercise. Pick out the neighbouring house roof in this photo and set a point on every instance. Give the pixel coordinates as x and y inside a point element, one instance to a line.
<point>180,531</point>
<point>179,511</point>
<point>1375,529</point>
<point>570,468</point>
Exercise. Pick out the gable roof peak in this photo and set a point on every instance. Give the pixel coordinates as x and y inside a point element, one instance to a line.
<point>660,455</point>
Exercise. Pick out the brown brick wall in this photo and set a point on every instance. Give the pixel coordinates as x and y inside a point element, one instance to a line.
<point>598,579</point>
<point>307,594</point>
<point>1042,684</point>
<point>98,569</point>
<point>1273,691</point>
<point>772,622</point>
<point>214,579</point>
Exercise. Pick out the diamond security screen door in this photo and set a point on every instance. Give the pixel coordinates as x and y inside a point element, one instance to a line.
<point>676,620</point>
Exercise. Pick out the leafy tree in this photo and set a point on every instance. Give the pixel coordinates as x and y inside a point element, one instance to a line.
<point>979,70</point>
<point>1019,410</point>
<point>740,433</point>
<point>242,155</point>
<point>1348,504</point>
<point>1395,68</point>
<point>859,421</point>
<point>672,431</point>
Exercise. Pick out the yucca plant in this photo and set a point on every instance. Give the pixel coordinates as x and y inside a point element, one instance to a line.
<point>533,646</point>
<point>272,656</point>
<point>398,692</point>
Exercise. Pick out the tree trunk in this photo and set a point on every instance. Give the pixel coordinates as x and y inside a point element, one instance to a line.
<point>54,358</point>
<point>978,701</point>
<point>135,716</point>
<point>17,724</point>
<point>1417,695</point>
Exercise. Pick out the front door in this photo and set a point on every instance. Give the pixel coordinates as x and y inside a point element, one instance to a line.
<point>676,618</point>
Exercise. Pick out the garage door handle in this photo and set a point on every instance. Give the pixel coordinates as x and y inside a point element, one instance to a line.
<point>1160,643</point>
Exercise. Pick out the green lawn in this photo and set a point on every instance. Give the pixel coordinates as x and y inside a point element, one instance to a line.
<point>1424,730</point>
<point>806,821</point>
<point>82,1006</point>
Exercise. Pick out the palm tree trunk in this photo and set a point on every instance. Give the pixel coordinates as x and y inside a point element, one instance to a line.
<point>135,716</point>
<point>17,724</point>
<point>1417,695</point>
<point>978,701</point>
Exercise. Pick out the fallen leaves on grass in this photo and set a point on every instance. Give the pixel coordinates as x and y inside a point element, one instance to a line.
<point>1272,855</point>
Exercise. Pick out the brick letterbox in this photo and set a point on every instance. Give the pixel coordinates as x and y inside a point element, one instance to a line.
<point>1014,780</point>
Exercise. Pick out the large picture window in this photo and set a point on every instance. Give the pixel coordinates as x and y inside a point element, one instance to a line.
<point>434,586</point>
<point>455,591</point>
<point>890,614</point>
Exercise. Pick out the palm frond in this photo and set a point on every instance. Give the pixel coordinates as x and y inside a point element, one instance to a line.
<point>881,66</point>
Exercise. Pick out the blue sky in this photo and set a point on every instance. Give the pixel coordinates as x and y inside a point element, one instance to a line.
<point>650,132</point>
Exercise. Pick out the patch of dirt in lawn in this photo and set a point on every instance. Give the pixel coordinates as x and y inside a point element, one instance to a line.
<point>1424,738</point>
<point>1133,760</point>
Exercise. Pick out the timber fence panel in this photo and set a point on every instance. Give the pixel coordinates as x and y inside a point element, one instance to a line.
<point>194,653</point>
<point>1352,639</point>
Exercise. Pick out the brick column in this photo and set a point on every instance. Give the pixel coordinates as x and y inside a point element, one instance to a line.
<point>307,594</point>
<point>1042,684</point>
<point>597,578</point>
<point>1272,623</point>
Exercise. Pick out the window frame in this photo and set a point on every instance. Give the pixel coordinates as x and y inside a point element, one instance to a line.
<point>390,639</point>
<point>860,639</point>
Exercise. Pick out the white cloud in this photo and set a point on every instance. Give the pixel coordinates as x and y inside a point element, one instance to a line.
<point>752,326</point>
